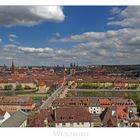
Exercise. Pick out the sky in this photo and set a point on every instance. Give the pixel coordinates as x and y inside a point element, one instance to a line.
<point>57,35</point>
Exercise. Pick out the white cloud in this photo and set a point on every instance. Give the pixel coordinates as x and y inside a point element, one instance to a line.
<point>57,35</point>
<point>89,36</point>
<point>29,15</point>
<point>35,50</point>
<point>110,47</point>
<point>12,36</point>
<point>128,17</point>
<point>9,46</point>
<point>115,10</point>
<point>116,46</point>
<point>121,46</point>
<point>0,40</point>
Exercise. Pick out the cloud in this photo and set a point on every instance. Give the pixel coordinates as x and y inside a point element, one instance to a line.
<point>128,17</point>
<point>115,10</point>
<point>120,46</point>
<point>57,35</point>
<point>9,46</point>
<point>110,47</point>
<point>12,38</point>
<point>35,50</point>
<point>87,36</point>
<point>0,40</point>
<point>29,15</point>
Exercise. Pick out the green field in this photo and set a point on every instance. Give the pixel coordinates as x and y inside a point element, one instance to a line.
<point>95,94</point>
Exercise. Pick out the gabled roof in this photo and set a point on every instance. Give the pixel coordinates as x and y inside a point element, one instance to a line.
<point>15,120</point>
<point>109,119</point>
<point>114,113</point>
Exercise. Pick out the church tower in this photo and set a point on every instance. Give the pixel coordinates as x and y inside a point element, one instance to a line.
<point>13,67</point>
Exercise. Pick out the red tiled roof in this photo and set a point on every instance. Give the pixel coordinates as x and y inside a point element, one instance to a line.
<point>122,112</point>
<point>122,102</point>
<point>16,100</point>
<point>71,102</point>
<point>120,85</point>
<point>72,115</point>
<point>104,102</point>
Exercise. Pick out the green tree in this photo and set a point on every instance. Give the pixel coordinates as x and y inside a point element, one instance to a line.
<point>8,87</point>
<point>19,87</point>
<point>27,87</point>
<point>136,98</point>
<point>135,86</point>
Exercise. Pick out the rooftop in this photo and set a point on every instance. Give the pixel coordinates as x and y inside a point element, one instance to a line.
<point>15,120</point>
<point>15,100</point>
<point>71,102</point>
<point>72,115</point>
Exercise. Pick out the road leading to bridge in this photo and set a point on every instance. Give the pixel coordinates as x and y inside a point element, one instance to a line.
<point>51,98</point>
<point>57,93</point>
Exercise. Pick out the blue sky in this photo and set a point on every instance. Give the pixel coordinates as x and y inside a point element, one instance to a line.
<point>55,35</point>
<point>77,20</point>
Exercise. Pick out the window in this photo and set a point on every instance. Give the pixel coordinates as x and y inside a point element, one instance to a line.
<point>61,118</point>
<point>63,124</point>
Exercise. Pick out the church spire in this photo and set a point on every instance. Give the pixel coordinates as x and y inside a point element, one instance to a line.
<point>13,67</point>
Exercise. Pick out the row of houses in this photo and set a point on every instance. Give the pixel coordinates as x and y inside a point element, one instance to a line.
<point>88,112</point>
<point>40,83</point>
<point>14,110</point>
<point>15,103</point>
<point>107,80</point>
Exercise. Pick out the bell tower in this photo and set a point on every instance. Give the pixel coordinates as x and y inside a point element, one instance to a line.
<point>13,67</point>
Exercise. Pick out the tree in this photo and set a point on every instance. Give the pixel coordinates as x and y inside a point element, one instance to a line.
<point>19,87</point>
<point>8,87</point>
<point>135,86</point>
<point>27,87</point>
<point>136,98</point>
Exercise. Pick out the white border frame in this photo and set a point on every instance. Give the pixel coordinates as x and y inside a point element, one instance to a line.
<point>70,2</point>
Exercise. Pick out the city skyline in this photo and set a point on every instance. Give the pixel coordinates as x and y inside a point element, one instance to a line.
<point>54,35</point>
